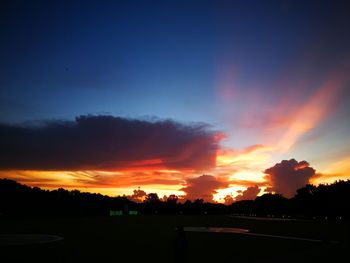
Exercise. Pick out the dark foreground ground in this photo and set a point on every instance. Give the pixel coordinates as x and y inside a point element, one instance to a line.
<point>154,239</point>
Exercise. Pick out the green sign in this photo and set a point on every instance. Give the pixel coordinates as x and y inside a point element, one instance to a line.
<point>115,213</point>
<point>133,213</point>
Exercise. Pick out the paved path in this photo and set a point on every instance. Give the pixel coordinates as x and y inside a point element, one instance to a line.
<point>27,239</point>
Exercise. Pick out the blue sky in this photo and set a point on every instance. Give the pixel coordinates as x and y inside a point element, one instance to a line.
<point>151,58</point>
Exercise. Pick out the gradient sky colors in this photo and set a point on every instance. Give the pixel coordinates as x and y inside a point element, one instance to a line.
<point>203,98</point>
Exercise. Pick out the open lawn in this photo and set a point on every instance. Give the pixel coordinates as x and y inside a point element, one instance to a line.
<point>154,239</point>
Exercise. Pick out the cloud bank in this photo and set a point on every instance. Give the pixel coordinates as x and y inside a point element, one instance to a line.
<point>107,143</point>
<point>288,176</point>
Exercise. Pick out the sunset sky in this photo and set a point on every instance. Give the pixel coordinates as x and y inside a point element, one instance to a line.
<point>202,99</point>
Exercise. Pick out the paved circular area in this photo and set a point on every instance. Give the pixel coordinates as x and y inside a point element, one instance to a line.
<point>27,239</point>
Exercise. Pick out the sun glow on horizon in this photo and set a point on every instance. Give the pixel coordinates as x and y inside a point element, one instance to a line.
<point>163,181</point>
<point>232,191</point>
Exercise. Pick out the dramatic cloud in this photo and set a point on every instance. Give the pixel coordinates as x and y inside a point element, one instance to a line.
<point>203,187</point>
<point>288,176</point>
<point>107,143</point>
<point>249,194</point>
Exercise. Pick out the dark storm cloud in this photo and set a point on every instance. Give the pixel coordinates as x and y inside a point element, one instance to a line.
<point>107,142</point>
<point>203,187</point>
<point>288,176</point>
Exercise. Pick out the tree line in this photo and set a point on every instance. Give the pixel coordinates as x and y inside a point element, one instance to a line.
<point>329,201</point>
<point>323,201</point>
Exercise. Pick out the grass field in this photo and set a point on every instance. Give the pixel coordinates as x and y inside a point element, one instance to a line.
<point>154,239</point>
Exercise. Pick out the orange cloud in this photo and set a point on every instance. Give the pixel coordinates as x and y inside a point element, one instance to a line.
<point>95,179</point>
<point>245,165</point>
<point>104,182</point>
<point>229,157</point>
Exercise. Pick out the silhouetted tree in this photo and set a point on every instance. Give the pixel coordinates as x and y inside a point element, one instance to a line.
<point>271,204</point>
<point>172,199</point>
<point>152,198</point>
<point>323,200</point>
<point>16,198</point>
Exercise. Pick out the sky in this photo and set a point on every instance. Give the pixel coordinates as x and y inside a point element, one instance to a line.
<point>219,100</point>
